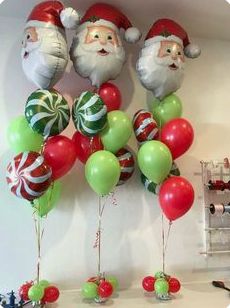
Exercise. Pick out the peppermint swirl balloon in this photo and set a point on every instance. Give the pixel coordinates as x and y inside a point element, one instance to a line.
<point>127,163</point>
<point>28,176</point>
<point>89,114</point>
<point>145,127</point>
<point>47,112</point>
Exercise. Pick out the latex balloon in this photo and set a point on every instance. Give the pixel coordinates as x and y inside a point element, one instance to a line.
<point>36,293</point>
<point>159,274</point>
<point>47,112</point>
<point>114,282</point>
<point>89,114</point>
<point>161,63</point>
<point>176,197</point>
<point>48,201</point>
<point>110,95</point>
<point>155,160</point>
<point>148,283</point>
<point>22,138</point>
<point>89,290</point>
<point>150,185</point>
<point>44,48</point>
<point>161,286</point>
<point>127,163</point>
<point>24,290</point>
<point>51,294</point>
<point>105,289</point>
<point>118,131</point>
<point>174,285</point>
<point>86,146</point>
<point>44,283</point>
<point>145,127</point>
<point>60,154</point>
<point>169,108</point>
<point>178,135</point>
<point>97,51</point>
<point>28,175</point>
<point>102,171</point>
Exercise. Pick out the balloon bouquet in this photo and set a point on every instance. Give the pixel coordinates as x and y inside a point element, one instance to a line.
<point>43,156</point>
<point>103,130</point>
<point>162,134</point>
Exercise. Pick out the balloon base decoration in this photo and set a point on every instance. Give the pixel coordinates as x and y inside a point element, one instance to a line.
<point>100,288</point>
<point>162,285</point>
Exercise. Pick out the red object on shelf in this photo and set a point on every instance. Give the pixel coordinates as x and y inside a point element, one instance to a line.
<point>174,285</point>
<point>148,283</point>
<point>105,289</point>
<point>24,289</point>
<point>51,294</point>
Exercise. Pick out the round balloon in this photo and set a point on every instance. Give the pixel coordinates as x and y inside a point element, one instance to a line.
<point>22,138</point>
<point>86,146</point>
<point>148,283</point>
<point>105,289</point>
<point>47,112</point>
<point>89,114</point>
<point>127,163</point>
<point>118,131</point>
<point>89,290</point>
<point>36,293</point>
<point>102,171</point>
<point>145,127</point>
<point>161,286</point>
<point>176,197</point>
<point>51,294</point>
<point>28,175</point>
<point>110,95</point>
<point>155,160</point>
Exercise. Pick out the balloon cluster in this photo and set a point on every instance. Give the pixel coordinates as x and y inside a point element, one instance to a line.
<point>42,292</point>
<point>162,284</point>
<point>99,289</point>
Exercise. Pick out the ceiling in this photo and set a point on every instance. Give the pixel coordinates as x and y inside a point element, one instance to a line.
<point>200,18</point>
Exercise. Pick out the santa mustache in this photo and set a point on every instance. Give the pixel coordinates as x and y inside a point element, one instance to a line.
<point>96,46</point>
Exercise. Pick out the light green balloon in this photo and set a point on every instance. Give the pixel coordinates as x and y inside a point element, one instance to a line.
<point>117,132</point>
<point>44,283</point>
<point>102,171</point>
<point>114,282</point>
<point>159,275</point>
<point>167,109</point>
<point>49,200</point>
<point>89,290</point>
<point>155,160</point>
<point>161,286</point>
<point>36,293</point>
<point>22,138</point>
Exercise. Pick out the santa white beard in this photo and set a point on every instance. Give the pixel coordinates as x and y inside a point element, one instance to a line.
<point>155,74</point>
<point>47,58</point>
<point>89,64</point>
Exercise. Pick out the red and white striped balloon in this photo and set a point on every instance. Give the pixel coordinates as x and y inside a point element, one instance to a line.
<point>145,127</point>
<point>127,163</point>
<point>28,176</point>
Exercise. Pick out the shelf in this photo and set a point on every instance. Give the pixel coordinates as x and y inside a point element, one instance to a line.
<point>214,252</point>
<point>217,229</point>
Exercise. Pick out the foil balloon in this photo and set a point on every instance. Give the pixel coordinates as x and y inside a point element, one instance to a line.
<point>97,51</point>
<point>44,48</point>
<point>161,63</point>
<point>127,163</point>
<point>28,175</point>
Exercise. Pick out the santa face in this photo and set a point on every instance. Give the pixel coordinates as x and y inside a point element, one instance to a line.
<point>97,53</point>
<point>161,67</point>
<point>44,56</point>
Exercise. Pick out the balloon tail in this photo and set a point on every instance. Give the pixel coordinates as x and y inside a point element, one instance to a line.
<point>165,242</point>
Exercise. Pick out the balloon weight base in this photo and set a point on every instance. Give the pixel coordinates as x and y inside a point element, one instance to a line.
<point>163,297</point>
<point>100,300</point>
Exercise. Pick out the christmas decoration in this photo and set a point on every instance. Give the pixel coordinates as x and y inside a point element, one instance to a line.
<point>127,163</point>
<point>110,95</point>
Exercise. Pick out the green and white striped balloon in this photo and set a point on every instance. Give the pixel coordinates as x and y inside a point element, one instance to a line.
<point>47,112</point>
<point>89,114</point>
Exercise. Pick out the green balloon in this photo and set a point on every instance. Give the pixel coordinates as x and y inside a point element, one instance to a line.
<point>159,275</point>
<point>22,138</point>
<point>155,160</point>
<point>114,282</point>
<point>161,286</point>
<point>167,109</point>
<point>44,284</point>
<point>102,171</point>
<point>117,132</point>
<point>48,201</point>
<point>36,293</point>
<point>89,290</point>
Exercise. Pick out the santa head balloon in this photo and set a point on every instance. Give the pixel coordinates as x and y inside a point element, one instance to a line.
<point>160,66</point>
<point>97,51</point>
<point>44,48</point>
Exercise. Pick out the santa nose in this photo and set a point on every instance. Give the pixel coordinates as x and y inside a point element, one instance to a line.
<point>103,41</point>
<point>174,56</point>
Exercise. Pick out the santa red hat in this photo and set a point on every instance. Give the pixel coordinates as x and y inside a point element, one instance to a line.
<point>167,29</point>
<point>108,15</point>
<point>53,14</point>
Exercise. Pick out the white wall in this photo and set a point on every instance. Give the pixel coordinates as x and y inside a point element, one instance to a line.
<point>131,230</point>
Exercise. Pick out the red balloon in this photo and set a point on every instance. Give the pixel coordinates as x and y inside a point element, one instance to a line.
<point>60,154</point>
<point>86,146</point>
<point>174,285</point>
<point>178,135</point>
<point>111,96</point>
<point>51,295</point>
<point>105,289</point>
<point>24,289</point>
<point>176,197</point>
<point>148,283</point>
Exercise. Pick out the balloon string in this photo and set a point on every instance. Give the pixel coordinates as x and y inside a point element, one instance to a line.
<point>163,243</point>
<point>167,238</point>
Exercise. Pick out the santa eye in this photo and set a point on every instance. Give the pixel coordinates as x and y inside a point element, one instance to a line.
<point>109,37</point>
<point>168,50</point>
<point>96,36</point>
<point>28,36</point>
<point>179,53</point>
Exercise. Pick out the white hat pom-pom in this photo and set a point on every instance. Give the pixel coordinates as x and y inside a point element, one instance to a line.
<point>192,51</point>
<point>70,18</point>
<point>132,35</point>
